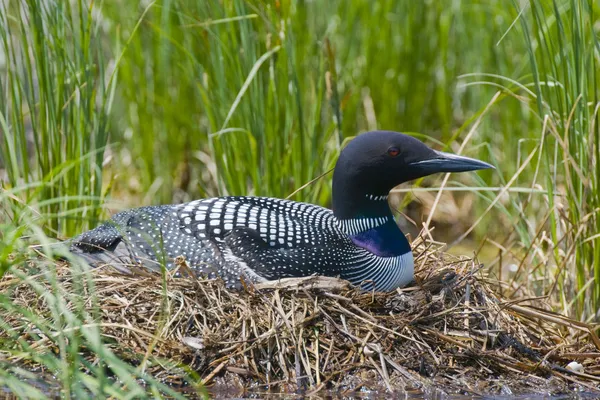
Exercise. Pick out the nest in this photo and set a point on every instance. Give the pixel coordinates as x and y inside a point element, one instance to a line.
<point>449,332</point>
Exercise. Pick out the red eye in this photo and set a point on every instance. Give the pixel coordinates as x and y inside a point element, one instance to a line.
<point>393,151</point>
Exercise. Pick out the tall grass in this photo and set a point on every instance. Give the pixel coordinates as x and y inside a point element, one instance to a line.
<point>564,51</point>
<point>555,236</point>
<point>54,109</point>
<point>247,97</point>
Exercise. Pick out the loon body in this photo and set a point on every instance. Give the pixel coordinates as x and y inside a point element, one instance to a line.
<point>259,238</point>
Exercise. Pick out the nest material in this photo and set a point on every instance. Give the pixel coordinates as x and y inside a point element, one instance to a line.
<point>449,332</point>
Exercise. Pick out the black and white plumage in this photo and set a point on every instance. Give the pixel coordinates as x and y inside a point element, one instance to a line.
<point>261,238</point>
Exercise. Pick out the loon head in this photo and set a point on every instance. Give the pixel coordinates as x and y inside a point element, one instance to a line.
<point>375,162</point>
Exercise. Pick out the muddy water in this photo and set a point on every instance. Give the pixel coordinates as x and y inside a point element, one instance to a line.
<point>433,394</point>
<point>53,390</point>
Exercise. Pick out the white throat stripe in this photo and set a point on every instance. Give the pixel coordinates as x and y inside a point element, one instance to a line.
<point>376,198</point>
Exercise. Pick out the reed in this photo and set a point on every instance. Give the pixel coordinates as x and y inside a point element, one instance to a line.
<point>55,103</point>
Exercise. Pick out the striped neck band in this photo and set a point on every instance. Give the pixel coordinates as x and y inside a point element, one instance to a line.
<point>357,225</point>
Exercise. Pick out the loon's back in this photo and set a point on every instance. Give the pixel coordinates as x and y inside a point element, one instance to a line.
<point>259,238</point>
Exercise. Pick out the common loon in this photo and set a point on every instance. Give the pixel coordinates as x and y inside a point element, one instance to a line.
<point>260,238</point>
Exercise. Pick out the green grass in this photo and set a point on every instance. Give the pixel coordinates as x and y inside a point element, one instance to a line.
<point>165,101</point>
<point>55,106</point>
<point>565,63</point>
<point>184,72</point>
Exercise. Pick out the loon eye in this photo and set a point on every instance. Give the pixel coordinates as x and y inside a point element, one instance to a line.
<point>393,151</point>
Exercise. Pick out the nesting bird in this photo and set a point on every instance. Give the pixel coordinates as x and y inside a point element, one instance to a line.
<point>260,238</point>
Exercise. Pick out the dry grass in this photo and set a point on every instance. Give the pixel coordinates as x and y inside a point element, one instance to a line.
<point>449,331</point>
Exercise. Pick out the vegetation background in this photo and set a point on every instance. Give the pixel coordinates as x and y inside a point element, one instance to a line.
<point>112,104</point>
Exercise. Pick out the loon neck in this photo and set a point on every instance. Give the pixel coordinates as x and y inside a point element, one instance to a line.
<point>369,223</point>
<point>362,213</point>
<point>361,206</point>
